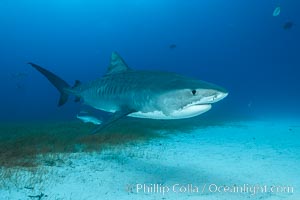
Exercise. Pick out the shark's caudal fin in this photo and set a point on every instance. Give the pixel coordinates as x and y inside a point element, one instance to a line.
<point>59,83</point>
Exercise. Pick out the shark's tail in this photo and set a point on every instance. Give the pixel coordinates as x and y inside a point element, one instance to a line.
<point>59,83</point>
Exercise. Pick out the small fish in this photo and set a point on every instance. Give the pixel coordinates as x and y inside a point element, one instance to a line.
<point>249,104</point>
<point>276,11</point>
<point>288,25</point>
<point>172,46</point>
<point>89,119</point>
<point>19,86</point>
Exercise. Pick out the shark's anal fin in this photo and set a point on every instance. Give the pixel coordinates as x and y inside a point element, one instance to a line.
<point>115,117</point>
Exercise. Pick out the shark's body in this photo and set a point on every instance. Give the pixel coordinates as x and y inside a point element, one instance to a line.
<point>144,94</point>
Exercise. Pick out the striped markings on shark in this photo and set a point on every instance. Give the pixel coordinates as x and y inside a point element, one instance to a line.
<point>139,93</point>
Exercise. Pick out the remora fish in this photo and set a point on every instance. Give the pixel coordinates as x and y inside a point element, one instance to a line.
<point>88,119</point>
<point>143,94</point>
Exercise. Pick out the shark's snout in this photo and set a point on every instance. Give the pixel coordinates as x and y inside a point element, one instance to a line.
<point>220,96</point>
<point>210,96</point>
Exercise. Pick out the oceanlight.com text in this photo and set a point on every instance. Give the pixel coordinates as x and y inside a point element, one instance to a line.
<point>207,188</point>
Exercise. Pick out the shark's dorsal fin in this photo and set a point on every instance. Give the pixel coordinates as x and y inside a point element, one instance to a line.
<point>117,64</point>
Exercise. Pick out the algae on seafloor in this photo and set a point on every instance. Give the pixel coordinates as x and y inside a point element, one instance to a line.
<point>24,144</point>
<point>21,145</point>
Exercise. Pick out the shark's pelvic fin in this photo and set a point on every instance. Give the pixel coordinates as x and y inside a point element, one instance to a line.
<point>62,86</point>
<point>115,117</point>
<point>117,64</point>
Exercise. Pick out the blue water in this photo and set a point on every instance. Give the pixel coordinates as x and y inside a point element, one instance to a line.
<point>236,44</point>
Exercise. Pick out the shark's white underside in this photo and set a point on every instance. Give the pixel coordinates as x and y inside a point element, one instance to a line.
<point>190,111</point>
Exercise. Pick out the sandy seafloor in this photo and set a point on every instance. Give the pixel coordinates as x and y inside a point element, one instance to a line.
<point>250,153</point>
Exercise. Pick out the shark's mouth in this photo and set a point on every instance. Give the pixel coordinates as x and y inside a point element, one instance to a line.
<point>190,110</point>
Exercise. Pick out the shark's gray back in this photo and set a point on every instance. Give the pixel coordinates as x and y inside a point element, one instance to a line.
<point>134,88</point>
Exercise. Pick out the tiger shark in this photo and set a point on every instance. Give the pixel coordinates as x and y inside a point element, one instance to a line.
<point>136,93</point>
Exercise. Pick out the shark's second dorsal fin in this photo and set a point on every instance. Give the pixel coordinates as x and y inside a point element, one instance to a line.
<point>117,64</point>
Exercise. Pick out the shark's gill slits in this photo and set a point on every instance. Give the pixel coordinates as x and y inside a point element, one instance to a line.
<point>121,90</point>
<point>108,90</point>
<point>99,91</point>
<point>118,91</point>
<point>113,90</point>
<point>105,90</point>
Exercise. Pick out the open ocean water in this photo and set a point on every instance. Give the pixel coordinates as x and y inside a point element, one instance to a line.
<point>246,147</point>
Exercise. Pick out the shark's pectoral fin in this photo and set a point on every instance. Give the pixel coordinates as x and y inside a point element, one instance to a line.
<point>115,117</point>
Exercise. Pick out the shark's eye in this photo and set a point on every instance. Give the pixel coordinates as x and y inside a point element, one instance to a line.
<point>194,92</point>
